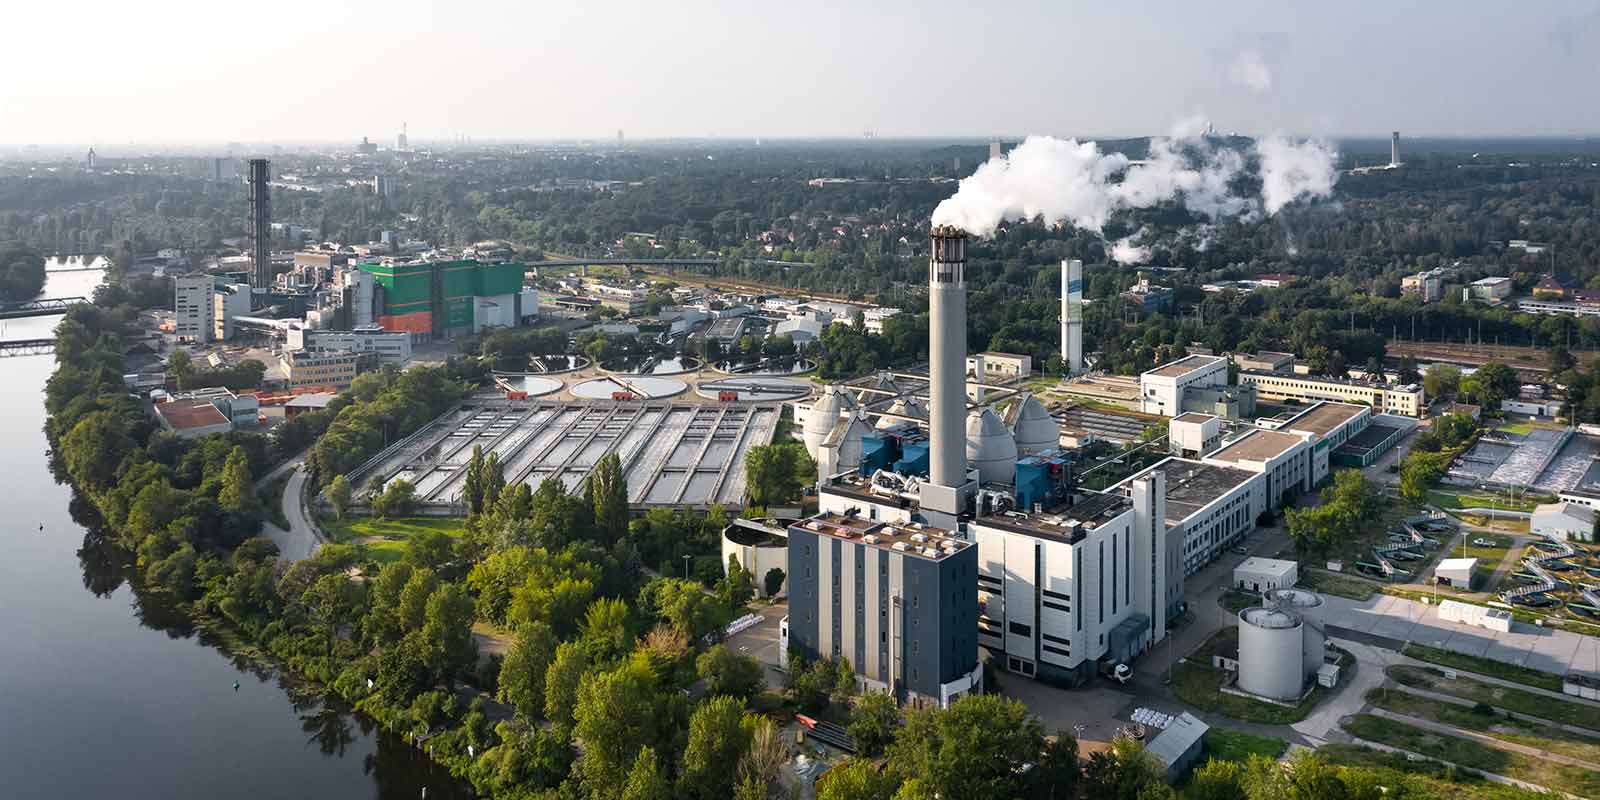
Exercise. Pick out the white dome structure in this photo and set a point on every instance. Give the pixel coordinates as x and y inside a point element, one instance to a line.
<point>906,407</point>
<point>1032,426</point>
<point>844,445</point>
<point>824,417</point>
<point>990,448</point>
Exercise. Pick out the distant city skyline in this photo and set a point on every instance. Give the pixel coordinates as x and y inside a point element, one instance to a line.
<point>186,71</point>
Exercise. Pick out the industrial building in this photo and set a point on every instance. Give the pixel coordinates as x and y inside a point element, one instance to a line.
<point>194,308</point>
<point>1194,383</point>
<point>327,371</point>
<point>438,299</point>
<point>1405,400</point>
<point>759,546</point>
<point>1209,507</point>
<point>992,366</point>
<point>899,601</point>
<point>1564,520</point>
<point>1179,746</point>
<point>229,302</point>
<point>1327,426</point>
<point>1072,316</point>
<point>1256,574</point>
<point>385,347</point>
<point>1061,589</point>
<point>206,411</point>
<point>674,455</point>
<point>1489,290</point>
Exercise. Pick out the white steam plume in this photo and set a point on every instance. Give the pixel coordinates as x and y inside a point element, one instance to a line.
<point>1125,252</point>
<point>1064,180</point>
<point>1294,170</point>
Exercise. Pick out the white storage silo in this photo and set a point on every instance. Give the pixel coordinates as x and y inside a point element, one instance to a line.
<point>990,448</point>
<point>1035,430</point>
<point>1270,653</point>
<point>822,419</point>
<point>1307,605</point>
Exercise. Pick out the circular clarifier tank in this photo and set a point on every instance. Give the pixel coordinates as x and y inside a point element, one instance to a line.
<point>643,387</point>
<point>534,385</point>
<point>755,390</point>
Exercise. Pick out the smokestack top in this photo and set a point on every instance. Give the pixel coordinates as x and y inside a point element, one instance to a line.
<point>947,232</point>
<point>949,247</point>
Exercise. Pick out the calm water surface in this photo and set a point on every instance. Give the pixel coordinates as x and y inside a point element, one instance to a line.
<point>104,697</point>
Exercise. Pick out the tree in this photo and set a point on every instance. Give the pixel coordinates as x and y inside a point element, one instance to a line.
<point>766,754</point>
<point>617,713</point>
<point>333,600</point>
<point>1406,370</point>
<point>522,673</point>
<point>872,723</point>
<point>775,473</point>
<point>728,673</point>
<point>608,493</point>
<point>1441,380</point>
<point>645,781</point>
<point>237,492</point>
<point>773,582</point>
<point>971,750</point>
<point>1217,780</point>
<point>447,632</point>
<point>857,779</point>
<point>736,587</point>
<point>430,548</point>
<point>338,493</point>
<point>716,740</point>
<point>398,499</point>
<point>605,635</point>
<point>561,682</point>
<point>1494,382</point>
<point>1059,770</point>
<point>94,449</point>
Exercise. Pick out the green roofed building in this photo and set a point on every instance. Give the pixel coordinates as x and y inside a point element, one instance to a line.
<point>448,298</point>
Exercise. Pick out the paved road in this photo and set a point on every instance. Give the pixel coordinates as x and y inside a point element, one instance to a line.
<point>301,540</point>
<point>760,641</point>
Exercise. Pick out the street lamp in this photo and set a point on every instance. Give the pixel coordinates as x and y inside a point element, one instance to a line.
<point>686,559</point>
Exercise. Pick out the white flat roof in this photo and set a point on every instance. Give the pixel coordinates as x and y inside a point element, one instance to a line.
<point>1273,566</point>
<point>1451,564</point>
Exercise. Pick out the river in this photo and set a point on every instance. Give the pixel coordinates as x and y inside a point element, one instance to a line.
<point>102,696</point>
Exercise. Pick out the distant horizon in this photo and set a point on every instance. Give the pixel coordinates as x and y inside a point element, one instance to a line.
<point>195,72</point>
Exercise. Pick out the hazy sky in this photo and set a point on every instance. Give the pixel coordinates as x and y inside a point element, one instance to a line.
<point>109,72</point>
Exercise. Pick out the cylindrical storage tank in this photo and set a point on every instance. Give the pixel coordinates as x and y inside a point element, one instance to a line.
<point>821,420</point>
<point>1035,430</point>
<point>990,448</point>
<point>1270,657</point>
<point>1307,605</point>
<point>850,445</point>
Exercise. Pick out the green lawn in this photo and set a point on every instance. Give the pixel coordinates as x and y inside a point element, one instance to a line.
<point>1235,600</point>
<point>1201,686</point>
<point>1469,753</point>
<point>1484,666</point>
<point>1522,702</point>
<point>1225,640</point>
<point>1231,745</point>
<point>1455,501</point>
<point>1424,779</point>
<point>271,498</point>
<point>1487,721</point>
<point>1337,584</point>
<point>386,538</point>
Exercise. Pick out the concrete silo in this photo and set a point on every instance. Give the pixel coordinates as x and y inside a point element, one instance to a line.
<point>1307,605</point>
<point>1271,657</point>
<point>990,448</point>
<point>1035,430</point>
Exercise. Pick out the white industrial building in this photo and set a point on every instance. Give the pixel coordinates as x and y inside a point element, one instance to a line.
<point>1162,390</point>
<point>389,347</point>
<point>229,302</point>
<point>1564,520</point>
<point>1455,571</point>
<point>1405,400</point>
<point>1495,619</point>
<point>1059,591</point>
<point>1209,507</point>
<point>759,548</point>
<point>1257,574</point>
<point>194,309</point>
<point>1328,426</point>
<point>994,367</point>
<point>1282,457</point>
<point>1192,435</point>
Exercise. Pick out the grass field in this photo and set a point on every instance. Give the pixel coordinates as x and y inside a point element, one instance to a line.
<point>1231,745</point>
<point>385,539</point>
<point>1425,779</point>
<point>1486,721</point>
<point>1336,584</point>
<point>1235,600</point>
<point>1455,501</point>
<point>1201,686</point>
<point>1484,666</point>
<point>1534,705</point>
<point>1473,754</point>
<point>1225,640</point>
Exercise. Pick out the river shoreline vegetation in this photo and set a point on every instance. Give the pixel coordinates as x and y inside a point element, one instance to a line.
<point>614,686</point>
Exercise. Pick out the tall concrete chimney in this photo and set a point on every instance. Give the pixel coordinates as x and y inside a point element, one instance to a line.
<point>1394,149</point>
<point>259,228</point>
<point>1072,316</point>
<point>947,362</point>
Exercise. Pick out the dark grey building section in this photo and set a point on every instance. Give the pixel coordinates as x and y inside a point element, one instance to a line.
<point>842,604</point>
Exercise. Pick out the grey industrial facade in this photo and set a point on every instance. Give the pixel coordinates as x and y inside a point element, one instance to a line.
<point>868,592</point>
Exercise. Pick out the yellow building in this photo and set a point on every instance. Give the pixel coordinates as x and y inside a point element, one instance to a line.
<point>334,371</point>
<point>1405,401</point>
